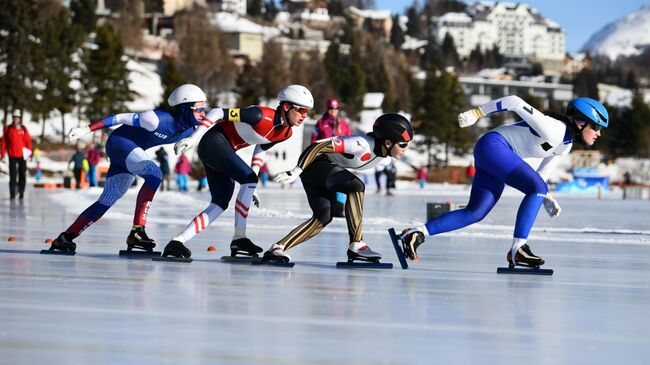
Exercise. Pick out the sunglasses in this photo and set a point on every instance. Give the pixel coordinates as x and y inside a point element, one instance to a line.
<point>402,144</point>
<point>301,109</point>
<point>596,127</point>
<point>333,108</point>
<point>199,109</point>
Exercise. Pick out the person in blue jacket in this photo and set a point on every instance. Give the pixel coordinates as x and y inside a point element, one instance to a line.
<point>126,150</point>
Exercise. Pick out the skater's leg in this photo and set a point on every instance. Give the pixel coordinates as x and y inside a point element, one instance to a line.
<point>117,184</point>
<point>221,189</point>
<point>486,191</point>
<point>22,176</point>
<point>139,163</point>
<point>528,181</point>
<point>13,172</point>
<point>199,223</point>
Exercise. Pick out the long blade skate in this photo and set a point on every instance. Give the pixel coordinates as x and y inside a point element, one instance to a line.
<point>240,259</point>
<point>363,265</point>
<point>272,263</point>
<point>398,248</point>
<point>172,259</point>
<point>57,252</point>
<point>524,271</point>
<point>131,254</point>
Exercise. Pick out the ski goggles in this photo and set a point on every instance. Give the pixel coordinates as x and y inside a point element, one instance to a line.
<point>301,109</point>
<point>199,109</point>
<point>402,144</point>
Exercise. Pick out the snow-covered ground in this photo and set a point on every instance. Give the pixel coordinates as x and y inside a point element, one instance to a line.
<point>449,307</point>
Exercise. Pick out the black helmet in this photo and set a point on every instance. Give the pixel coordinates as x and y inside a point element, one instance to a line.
<point>393,127</point>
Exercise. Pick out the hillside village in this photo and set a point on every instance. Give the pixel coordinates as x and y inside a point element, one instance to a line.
<point>370,59</point>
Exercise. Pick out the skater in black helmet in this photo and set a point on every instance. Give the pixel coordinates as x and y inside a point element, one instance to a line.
<point>323,170</point>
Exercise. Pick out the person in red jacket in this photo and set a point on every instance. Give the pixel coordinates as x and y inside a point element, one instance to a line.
<point>17,143</point>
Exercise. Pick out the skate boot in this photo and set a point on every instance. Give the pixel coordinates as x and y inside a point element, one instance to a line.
<point>359,251</point>
<point>177,249</point>
<point>276,254</point>
<point>410,242</point>
<point>138,239</point>
<point>524,257</point>
<point>244,246</point>
<point>63,243</point>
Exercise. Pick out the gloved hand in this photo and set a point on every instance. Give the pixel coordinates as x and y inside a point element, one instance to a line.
<point>552,207</point>
<point>467,118</point>
<point>288,176</point>
<point>411,239</point>
<point>185,144</point>
<point>256,199</point>
<point>78,132</point>
<point>409,231</point>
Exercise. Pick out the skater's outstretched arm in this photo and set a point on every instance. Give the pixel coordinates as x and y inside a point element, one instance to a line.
<point>307,157</point>
<point>214,115</point>
<point>535,119</point>
<point>148,120</point>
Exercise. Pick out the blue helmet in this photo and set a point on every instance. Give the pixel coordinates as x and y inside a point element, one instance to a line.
<point>588,110</point>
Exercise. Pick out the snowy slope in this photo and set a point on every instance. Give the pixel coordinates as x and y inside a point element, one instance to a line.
<point>626,36</point>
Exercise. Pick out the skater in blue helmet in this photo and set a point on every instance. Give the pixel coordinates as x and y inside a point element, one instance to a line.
<point>125,148</point>
<point>499,161</point>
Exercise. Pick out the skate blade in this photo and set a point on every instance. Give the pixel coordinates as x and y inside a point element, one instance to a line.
<point>52,252</point>
<point>364,265</point>
<point>240,259</point>
<point>398,249</point>
<point>272,263</point>
<point>172,259</point>
<point>522,271</point>
<point>139,254</point>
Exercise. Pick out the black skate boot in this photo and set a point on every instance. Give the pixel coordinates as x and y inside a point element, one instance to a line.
<point>411,242</point>
<point>245,247</point>
<point>524,257</point>
<point>139,244</point>
<point>175,251</point>
<point>138,239</point>
<point>62,245</point>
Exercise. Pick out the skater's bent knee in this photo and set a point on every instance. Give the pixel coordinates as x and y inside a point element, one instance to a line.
<point>324,216</point>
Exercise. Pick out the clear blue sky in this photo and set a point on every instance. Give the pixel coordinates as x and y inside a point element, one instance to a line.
<point>579,18</point>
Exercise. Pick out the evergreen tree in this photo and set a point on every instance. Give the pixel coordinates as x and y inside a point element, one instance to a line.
<point>171,78</point>
<point>18,43</point>
<point>254,8</point>
<point>436,114</point>
<point>396,34</point>
<point>629,131</point>
<point>56,65</point>
<point>105,76</point>
<point>586,84</point>
<point>84,14</point>
<point>153,6</point>
<point>448,49</point>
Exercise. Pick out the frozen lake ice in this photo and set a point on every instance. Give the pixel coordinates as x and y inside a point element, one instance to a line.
<point>449,307</point>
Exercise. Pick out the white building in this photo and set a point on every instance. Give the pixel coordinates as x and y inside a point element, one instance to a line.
<point>518,30</point>
<point>234,6</point>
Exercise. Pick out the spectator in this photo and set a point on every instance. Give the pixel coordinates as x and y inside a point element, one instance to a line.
<point>264,174</point>
<point>470,171</point>
<point>93,155</point>
<point>77,161</point>
<point>182,171</point>
<point>422,177</point>
<point>331,125</point>
<point>16,143</point>
<point>163,161</point>
<point>37,160</point>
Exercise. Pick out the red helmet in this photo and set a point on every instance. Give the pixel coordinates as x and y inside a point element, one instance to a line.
<point>333,103</point>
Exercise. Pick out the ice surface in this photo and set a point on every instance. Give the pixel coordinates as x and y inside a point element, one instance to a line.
<point>449,308</point>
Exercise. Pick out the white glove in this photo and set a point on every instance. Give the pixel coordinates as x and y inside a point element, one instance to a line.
<point>185,144</point>
<point>552,207</point>
<point>288,176</point>
<point>256,199</point>
<point>467,118</point>
<point>76,133</point>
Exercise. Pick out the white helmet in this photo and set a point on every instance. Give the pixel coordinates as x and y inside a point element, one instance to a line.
<point>186,93</point>
<point>297,95</point>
